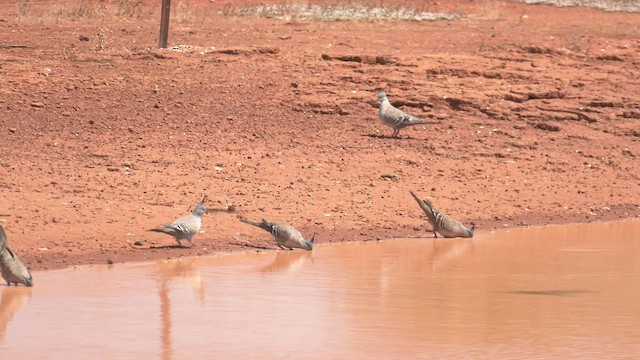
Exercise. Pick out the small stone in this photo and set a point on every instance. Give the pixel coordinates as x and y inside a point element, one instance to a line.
<point>546,126</point>
<point>138,243</point>
<point>110,261</point>
<point>13,130</point>
<point>38,104</point>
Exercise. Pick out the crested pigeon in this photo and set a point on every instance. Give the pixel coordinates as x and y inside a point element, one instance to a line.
<point>13,270</point>
<point>185,227</point>
<point>394,117</point>
<point>286,235</point>
<point>442,223</point>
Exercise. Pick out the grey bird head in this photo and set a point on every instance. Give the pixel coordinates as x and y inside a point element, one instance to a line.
<point>200,208</point>
<point>308,244</point>
<point>472,229</point>
<point>381,96</point>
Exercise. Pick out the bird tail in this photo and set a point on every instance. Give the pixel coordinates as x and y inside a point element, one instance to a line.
<point>264,224</point>
<point>250,222</point>
<point>420,122</point>
<point>163,230</point>
<point>426,206</point>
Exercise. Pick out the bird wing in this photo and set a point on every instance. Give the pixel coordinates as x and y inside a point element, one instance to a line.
<point>398,118</point>
<point>13,256</point>
<point>186,225</point>
<point>287,235</point>
<point>446,225</point>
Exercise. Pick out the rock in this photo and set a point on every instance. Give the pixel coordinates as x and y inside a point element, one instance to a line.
<point>547,126</point>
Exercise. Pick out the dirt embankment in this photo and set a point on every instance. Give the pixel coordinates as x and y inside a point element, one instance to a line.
<point>104,137</point>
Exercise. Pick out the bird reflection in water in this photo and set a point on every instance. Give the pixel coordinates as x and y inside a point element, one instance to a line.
<point>445,251</point>
<point>287,261</point>
<point>182,270</point>
<point>13,300</point>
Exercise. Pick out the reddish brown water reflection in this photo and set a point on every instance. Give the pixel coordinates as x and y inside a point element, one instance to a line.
<point>552,292</point>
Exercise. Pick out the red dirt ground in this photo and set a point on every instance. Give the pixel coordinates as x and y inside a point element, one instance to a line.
<point>104,137</point>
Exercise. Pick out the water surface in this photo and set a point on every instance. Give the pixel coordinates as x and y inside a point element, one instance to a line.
<point>549,292</point>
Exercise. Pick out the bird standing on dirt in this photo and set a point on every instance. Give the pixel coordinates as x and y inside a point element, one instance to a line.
<point>442,223</point>
<point>13,270</point>
<point>185,227</point>
<point>286,236</point>
<point>394,117</point>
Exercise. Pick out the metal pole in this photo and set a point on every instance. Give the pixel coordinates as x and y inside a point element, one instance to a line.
<point>164,23</point>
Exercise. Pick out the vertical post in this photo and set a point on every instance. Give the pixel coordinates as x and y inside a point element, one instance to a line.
<point>164,23</point>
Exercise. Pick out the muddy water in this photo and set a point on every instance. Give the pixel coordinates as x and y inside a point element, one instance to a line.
<point>550,292</point>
